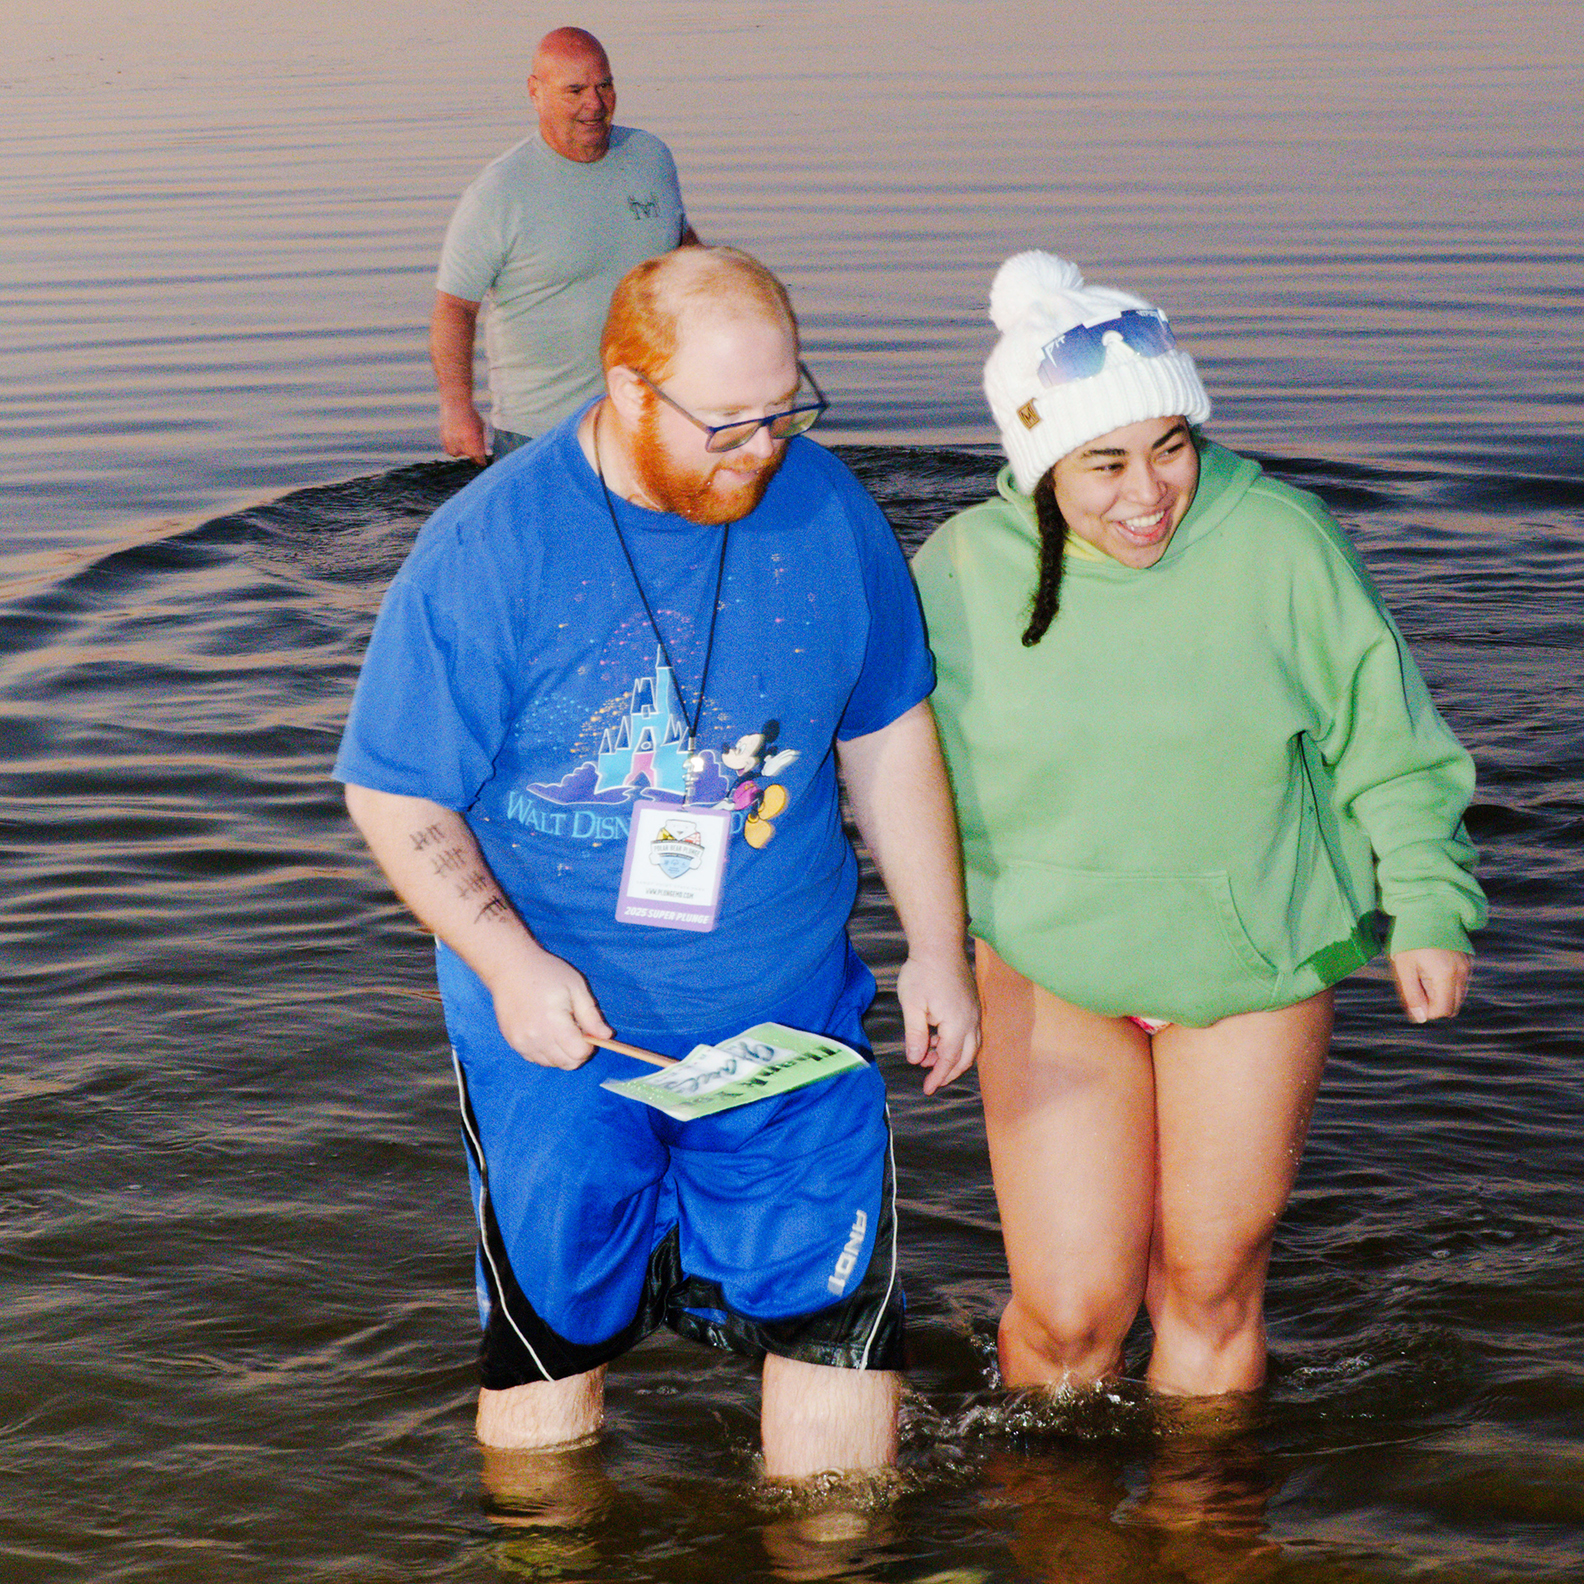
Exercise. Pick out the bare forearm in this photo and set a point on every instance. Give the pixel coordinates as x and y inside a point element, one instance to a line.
<point>451,334</point>
<point>896,784</point>
<point>434,865</point>
<point>900,799</point>
<point>452,328</point>
<point>543,1005</point>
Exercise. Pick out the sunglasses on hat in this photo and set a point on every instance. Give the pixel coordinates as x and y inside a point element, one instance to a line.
<point>1080,353</point>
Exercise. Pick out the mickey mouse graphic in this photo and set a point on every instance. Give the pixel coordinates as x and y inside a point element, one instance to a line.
<point>753,756</point>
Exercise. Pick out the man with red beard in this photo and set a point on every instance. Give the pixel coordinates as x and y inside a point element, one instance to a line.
<point>538,756</point>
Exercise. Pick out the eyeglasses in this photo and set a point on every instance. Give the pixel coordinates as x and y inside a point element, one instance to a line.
<point>782,425</point>
<point>1081,351</point>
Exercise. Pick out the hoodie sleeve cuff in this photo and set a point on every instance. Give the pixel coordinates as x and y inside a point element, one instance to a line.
<point>1428,931</point>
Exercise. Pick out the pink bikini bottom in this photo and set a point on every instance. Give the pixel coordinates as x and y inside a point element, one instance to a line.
<point>1150,1025</point>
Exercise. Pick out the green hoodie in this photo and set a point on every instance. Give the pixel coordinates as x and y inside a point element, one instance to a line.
<point>1190,797</point>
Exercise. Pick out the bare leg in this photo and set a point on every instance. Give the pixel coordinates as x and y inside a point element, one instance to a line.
<point>1069,1112</point>
<point>816,1417</point>
<point>1233,1103</point>
<point>542,1413</point>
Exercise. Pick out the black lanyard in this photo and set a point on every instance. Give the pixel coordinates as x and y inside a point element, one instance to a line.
<point>694,764</point>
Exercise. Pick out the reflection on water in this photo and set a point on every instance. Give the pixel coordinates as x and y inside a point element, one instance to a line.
<point>238,1325</point>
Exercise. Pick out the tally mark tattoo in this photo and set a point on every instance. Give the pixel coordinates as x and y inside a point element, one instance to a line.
<point>452,859</point>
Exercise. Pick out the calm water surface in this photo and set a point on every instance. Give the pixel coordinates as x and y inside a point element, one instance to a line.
<point>237,1317</point>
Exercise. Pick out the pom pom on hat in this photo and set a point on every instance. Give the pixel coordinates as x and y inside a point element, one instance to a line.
<point>1026,281</point>
<point>1035,299</point>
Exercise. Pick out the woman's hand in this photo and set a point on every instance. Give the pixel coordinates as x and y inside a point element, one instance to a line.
<point>1431,981</point>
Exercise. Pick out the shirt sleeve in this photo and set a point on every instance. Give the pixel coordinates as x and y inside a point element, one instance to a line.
<point>434,697</point>
<point>475,248</point>
<point>669,173</point>
<point>940,591</point>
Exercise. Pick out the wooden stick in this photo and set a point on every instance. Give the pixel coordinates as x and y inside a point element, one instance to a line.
<point>651,1057</point>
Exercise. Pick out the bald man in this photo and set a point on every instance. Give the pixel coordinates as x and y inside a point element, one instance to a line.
<point>661,631</point>
<point>544,234</point>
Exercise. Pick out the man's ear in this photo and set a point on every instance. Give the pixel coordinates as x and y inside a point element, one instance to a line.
<point>626,392</point>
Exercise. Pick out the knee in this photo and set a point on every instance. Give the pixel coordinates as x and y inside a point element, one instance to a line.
<point>1077,1340</point>
<point>1209,1322</point>
<point>1217,1296</point>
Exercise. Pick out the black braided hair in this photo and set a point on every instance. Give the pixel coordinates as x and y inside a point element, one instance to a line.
<point>1053,540</point>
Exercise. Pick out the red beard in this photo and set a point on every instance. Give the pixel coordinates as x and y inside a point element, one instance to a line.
<point>721,493</point>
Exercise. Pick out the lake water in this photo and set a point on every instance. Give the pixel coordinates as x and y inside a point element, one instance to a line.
<point>236,1303</point>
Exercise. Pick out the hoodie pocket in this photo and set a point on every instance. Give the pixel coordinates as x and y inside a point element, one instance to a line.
<point>1162,945</point>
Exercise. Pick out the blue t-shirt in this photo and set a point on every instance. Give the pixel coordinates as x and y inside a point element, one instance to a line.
<point>513,675</point>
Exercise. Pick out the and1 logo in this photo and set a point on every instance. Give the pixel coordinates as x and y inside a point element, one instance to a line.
<point>677,848</point>
<point>847,1260</point>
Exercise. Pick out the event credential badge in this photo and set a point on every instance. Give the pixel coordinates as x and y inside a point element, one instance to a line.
<point>676,863</point>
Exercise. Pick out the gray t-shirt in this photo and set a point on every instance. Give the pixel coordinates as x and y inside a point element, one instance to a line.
<point>546,239</point>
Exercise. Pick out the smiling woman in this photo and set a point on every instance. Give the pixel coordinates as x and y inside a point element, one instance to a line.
<point>1182,791</point>
<point>1125,492</point>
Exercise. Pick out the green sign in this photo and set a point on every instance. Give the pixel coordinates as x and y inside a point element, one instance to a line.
<point>766,1060</point>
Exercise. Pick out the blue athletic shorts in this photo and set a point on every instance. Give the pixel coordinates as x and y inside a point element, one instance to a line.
<point>770,1228</point>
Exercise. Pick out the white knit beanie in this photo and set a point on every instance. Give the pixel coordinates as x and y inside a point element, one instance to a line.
<point>1035,299</point>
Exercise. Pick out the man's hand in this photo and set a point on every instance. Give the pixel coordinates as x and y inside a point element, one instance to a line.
<point>546,1011</point>
<point>462,430</point>
<point>940,1017</point>
<point>1431,981</point>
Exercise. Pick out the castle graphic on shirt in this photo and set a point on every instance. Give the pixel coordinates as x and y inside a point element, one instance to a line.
<point>644,754</point>
<point>649,745</point>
